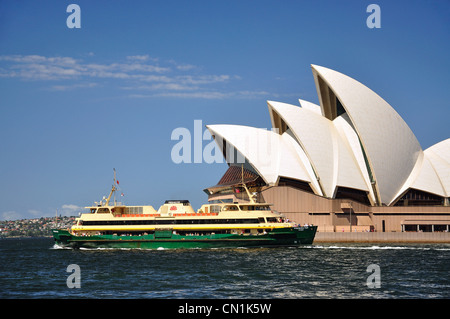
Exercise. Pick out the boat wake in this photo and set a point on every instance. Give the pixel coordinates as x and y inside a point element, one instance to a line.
<point>56,246</point>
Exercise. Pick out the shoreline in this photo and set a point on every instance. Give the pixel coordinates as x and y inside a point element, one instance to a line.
<point>25,237</point>
<point>405,237</point>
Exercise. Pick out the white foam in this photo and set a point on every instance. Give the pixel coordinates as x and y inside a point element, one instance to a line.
<point>56,246</point>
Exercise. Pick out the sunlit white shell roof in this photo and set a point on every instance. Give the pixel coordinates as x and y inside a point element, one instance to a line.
<point>354,139</point>
<point>328,153</point>
<point>439,157</point>
<point>271,154</point>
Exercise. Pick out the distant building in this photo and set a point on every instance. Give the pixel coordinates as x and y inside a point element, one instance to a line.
<point>353,158</point>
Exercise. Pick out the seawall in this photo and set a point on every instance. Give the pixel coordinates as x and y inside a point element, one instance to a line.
<point>368,237</point>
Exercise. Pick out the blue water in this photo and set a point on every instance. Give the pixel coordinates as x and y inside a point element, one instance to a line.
<point>36,268</point>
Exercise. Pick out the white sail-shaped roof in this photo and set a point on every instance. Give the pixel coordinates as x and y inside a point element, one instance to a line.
<point>439,157</point>
<point>313,132</point>
<point>270,154</point>
<point>310,106</point>
<point>354,139</point>
<point>432,171</point>
<point>391,148</point>
<point>330,156</point>
<point>290,139</point>
<point>345,129</point>
<point>427,180</point>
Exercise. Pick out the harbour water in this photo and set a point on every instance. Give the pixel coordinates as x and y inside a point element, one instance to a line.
<point>36,268</point>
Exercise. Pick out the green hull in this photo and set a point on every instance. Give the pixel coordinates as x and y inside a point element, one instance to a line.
<point>167,240</point>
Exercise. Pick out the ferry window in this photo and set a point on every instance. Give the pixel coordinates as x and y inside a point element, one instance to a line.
<point>134,210</point>
<point>93,210</point>
<point>271,219</point>
<point>103,210</point>
<point>226,200</point>
<point>261,220</point>
<point>215,209</point>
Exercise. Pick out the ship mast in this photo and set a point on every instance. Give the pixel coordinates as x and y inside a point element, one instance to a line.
<point>113,190</point>
<point>250,196</point>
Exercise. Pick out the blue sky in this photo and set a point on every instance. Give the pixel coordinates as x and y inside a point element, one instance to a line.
<point>76,103</point>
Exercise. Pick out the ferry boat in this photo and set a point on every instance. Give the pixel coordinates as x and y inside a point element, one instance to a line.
<point>176,225</point>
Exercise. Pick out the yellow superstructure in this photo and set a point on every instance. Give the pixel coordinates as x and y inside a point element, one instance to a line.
<point>178,216</point>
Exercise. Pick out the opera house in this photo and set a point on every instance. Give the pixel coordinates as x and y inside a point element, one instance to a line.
<point>348,164</point>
